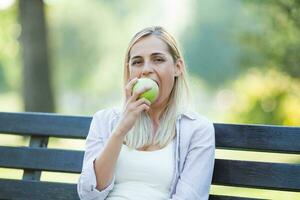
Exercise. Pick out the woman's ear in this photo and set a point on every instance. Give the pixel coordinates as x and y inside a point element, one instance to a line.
<point>178,67</point>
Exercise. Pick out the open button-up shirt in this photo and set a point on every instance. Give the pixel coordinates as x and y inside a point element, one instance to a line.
<point>194,152</point>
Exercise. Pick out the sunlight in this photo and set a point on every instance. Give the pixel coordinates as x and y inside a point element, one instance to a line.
<point>5,4</point>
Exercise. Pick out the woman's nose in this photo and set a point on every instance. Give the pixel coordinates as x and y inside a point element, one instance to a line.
<point>147,68</point>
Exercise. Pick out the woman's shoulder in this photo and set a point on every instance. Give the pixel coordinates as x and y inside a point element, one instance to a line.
<point>107,113</point>
<point>103,121</point>
<point>196,125</point>
<point>195,118</point>
<point>107,116</point>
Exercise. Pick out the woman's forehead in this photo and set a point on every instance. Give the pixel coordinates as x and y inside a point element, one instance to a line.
<point>148,46</point>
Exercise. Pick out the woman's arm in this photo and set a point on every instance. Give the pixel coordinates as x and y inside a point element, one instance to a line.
<point>195,179</point>
<point>105,164</point>
<point>100,154</point>
<point>97,177</point>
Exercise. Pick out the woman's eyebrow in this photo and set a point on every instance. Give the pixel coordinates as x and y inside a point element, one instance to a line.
<point>157,54</point>
<point>153,54</point>
<point>135,57</point>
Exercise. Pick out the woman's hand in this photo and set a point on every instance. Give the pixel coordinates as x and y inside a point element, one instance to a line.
<point>105,163</point>
<point>133,107</point>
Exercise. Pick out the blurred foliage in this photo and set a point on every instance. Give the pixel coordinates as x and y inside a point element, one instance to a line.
<point>270,94</point>
<point>210,50</point>
<point>9,50</point>
<point>266,97</point>
<point>277,40</point>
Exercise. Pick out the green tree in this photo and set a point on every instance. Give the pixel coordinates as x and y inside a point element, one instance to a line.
<point>270,91</point>
<point>276,42</point>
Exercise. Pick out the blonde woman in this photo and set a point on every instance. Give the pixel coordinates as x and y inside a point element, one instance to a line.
<point>160,150</point>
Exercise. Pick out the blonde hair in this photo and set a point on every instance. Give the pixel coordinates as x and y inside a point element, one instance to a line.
<point>179,100</point>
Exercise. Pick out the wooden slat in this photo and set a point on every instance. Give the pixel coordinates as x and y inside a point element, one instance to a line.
<point>20,189</point>
<point>44,124</point>
<point>222,197</point>
<point>258,137</point>
<point>36,190</point>
<point>41,159</point>
<point>278,176</point>
<point>228,136</point>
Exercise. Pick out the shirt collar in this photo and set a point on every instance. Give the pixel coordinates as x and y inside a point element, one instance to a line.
<point>189,115</point>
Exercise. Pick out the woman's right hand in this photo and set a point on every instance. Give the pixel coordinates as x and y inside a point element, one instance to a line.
<point>133,107</point>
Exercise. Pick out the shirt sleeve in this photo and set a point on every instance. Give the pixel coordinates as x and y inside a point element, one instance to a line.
<point>86,186</point>
<point>195,179</point>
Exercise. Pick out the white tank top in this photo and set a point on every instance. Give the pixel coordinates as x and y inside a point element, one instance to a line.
<point>143,174</point>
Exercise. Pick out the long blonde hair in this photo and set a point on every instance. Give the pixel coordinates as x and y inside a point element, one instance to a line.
<point>179,100</point>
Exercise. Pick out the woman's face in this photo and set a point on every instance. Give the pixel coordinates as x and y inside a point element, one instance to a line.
<point>150,58</point>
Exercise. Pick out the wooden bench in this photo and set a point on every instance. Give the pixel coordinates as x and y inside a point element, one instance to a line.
<point>37,157</point>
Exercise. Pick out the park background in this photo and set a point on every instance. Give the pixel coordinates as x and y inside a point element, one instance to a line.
<point>242,57</point>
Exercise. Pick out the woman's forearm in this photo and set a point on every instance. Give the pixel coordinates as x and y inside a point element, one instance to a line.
<point>105,164</point>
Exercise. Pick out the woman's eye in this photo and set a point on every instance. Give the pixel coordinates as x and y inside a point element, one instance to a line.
<point>158,60</point>
<point>135,62</point>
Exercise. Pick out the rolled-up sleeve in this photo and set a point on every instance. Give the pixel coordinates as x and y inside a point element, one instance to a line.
<point>196,177</point>
<point>87,183</point>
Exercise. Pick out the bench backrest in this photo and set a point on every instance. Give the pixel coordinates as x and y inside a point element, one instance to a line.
<point>37,158</point>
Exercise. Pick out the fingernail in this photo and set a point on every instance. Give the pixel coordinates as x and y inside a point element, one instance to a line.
<point>132,79</point>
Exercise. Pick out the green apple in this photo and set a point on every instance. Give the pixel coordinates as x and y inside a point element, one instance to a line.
<point>150,94</point>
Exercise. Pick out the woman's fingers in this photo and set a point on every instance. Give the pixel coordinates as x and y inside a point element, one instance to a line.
<point>137,93</point>
<point>128,88</point>
<point>141,101</point>
<point>132,107</point>
<point>142,108</point>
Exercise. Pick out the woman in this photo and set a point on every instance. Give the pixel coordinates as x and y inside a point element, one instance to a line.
<point>163,150</point>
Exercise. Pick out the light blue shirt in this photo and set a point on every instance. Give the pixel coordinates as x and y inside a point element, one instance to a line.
<point>194,154</point>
